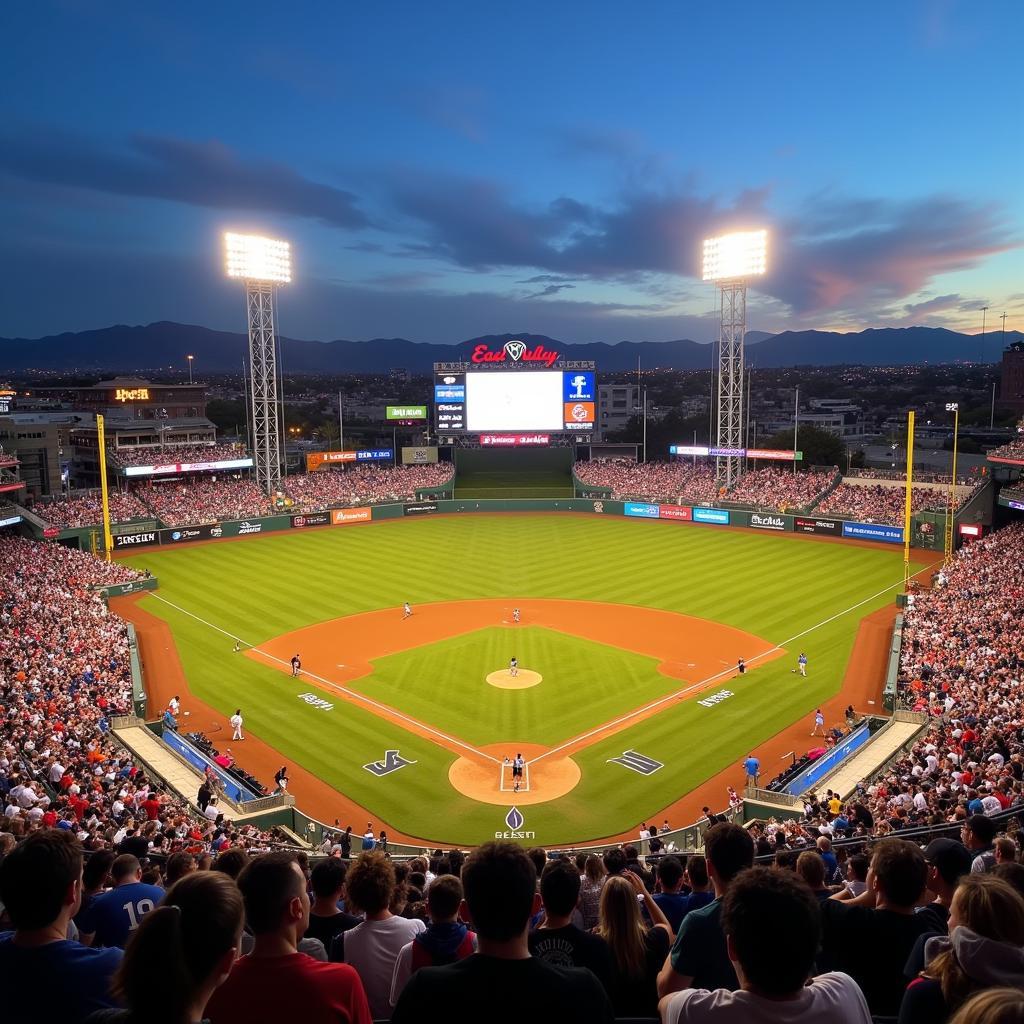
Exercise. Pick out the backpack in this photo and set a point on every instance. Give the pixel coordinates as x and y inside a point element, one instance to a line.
<point>422,957</point>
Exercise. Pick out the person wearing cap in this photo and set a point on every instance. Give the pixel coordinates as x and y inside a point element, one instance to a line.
<point>977,833</point>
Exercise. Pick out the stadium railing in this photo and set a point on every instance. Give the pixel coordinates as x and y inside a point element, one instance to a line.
<point>893,668</point>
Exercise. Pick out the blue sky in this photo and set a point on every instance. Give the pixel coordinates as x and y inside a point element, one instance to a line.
<point>450,170</point>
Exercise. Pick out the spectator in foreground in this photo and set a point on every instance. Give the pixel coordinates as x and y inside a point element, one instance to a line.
<point>41,887</point>
<point>591,883</point>
<point>502,983</point>
<point>772,926</point>
<point>180,953</point>
<point>978,832</point>
<point>871,937</point>
<point>993,1006</point>
<point>112,917</point>
<point>325,919</point>
<point>699,958</point>
<point>670,897</point>
<point>372,947</point>
<point>276,981</point>
<point>445,940</point>
<point>985,948</point>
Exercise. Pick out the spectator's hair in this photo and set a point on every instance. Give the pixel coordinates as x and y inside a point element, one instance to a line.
<point>171,955</point>
<point>729,848</point>
<point>992,909</point>
<point>697,869</point>
<point>539,858</point>
<point>97,869</point>
<point>178,866</point>
<point>232,862</point>
<point>328,877</point>
<point>984,829</point>
<point>593,868</point>
<point>811,869</point>
<point>417,880</point>
<point>268,884</point>
<point>901,871</point>
<point>560,887</point>
<point>614,861</point>
<point>859,865</point>
<point>670,872</point>
<point>581,861</point>
<point>444,897</point>
<point>35,876</point>
<point>622,927</point>
<point>1011,872</point>
<point>456,858</point>
<point>774,924</point>
<point>500,882</point>
<point>1006,848</point>
<point>992,1006</point>
<point>370,882</point>
<point>123,866</point>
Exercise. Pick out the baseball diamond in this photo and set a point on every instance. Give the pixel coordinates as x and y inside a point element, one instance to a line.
<point>633,627</point>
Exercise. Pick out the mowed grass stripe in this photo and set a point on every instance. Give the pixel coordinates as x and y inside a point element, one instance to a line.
<point>771,586</point>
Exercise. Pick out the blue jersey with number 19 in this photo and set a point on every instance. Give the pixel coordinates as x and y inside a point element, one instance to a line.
<point>116,914</point>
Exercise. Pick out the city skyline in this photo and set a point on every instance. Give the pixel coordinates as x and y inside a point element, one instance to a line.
<point>451,172</point>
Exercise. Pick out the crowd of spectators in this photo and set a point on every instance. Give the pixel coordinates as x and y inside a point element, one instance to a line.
<point>364,485</point>
<point>877,503</point>
<point>920,476</point>
<point>1011,450</point>
<point>64,673</point>
<point>781,489</point>
<point>650,481</point>
<point>87,509</point>
<point>172,454</point>
<point>192,500</point>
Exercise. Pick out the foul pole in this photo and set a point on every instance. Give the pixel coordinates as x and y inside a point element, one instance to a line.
<point>108,540</point>
<point>907,504</point>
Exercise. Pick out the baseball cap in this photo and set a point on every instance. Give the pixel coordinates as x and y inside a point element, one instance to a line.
<point>951,859</point>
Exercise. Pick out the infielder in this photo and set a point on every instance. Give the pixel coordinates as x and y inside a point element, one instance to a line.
<point>236,724</point>
<point>513,666</point>
<point>406,610</point>
<point>296,665</point>
<point>515,614</point>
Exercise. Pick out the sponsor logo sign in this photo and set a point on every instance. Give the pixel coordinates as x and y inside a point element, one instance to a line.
<point>637,762</point>
<point>763,522</point>
<point>418,456</point>
<point>311,519</point>
<point>514,440</point>
<point>773,455</point>
<point>514,352</point>
<point>316,702</point>
<point>131,395</point>
<point>833,527</point>
<point>578,415</point>
<point>729,452</point>
<point>392,761</point>
<point>340,516</point>
<point>10,521</point>
<point>185,533</point>
<point>599,506</point>
<point>966,530</point>
<point>514,822</point>
<point>640,510</point>
<point>688,449</point>
<point>422,508</point>
<point>719,516</point>
<point>249,526</point>
<point>874,531</point>
<point>1014,504</point>
<point>405,412</point>
<point>374,454</point>
<point>135,540</point>
<point>683,513</point>
<point>187,467</point>
<point>715,698</point>
<point>449,392</point>
<point>51,531</point>
<point>577,387</point>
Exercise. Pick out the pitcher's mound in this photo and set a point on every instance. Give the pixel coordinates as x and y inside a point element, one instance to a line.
<point>504,679</point>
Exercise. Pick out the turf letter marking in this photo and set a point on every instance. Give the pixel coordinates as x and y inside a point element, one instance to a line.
<point>391,763</point>
<point>637,762</point>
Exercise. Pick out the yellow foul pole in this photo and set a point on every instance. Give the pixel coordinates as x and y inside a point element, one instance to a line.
<point>907,499</point>
<point>108,542</point>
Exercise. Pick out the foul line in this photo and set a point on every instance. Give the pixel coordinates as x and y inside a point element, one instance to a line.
<point>355,695</point>
<point>710,679</point>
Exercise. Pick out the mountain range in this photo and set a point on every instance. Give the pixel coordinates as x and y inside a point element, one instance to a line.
<point>164,345</point>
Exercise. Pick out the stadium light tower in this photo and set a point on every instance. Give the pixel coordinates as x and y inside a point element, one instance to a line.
<point>263,264</point>
<point>730,261</point>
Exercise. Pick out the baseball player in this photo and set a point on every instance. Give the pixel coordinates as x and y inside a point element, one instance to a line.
<point>513,666</point>
<point>819,723</point>
<point>406,610</point>
<point>801,664</point>
<point>515,614</point>
<point>741,666</point>
<point>236,725</point>
<point>174,705</point>
<point>296,665</point>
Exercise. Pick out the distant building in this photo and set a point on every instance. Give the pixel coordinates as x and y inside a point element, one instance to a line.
<point>616,405</point>
<point>40,442</point>
<point>838,416</point>
<point>1011,385</point>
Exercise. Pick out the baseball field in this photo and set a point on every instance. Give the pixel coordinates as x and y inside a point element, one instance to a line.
<point>626,696</point>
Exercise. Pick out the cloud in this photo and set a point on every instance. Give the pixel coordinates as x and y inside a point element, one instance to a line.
<point>205,174</point>
<point>551,289</point>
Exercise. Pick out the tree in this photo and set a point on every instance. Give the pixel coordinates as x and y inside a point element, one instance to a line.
<point>820,448</point>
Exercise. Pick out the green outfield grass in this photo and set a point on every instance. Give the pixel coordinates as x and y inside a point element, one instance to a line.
<point>774,586</point>
<point>532,484</point>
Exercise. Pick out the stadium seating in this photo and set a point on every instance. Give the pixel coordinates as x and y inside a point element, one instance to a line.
<point>173,454</point>
<point>87,509</point>
<point>877,503</point>
<point>364,485</point>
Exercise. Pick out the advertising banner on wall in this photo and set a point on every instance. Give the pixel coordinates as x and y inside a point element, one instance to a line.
<point>831,527</point>
<point>420,508</point>
<point>341,516</point>
<point>683,513</point>
<point>187,467</point>
<point>640,510</point>
<point>183,534</point>
<point>874,531</point>
<point>136,540</point>
<point>418,456</point>
<point>514,440</point>
<point>405,412</point>
<point>760,521</point>
<point>311,519</point>
<point>718,516</point>
<point>316,460</point>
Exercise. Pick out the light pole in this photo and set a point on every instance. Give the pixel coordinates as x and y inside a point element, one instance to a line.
<point>190,358</point>
<point>954,408</point>
<point>984,313</point>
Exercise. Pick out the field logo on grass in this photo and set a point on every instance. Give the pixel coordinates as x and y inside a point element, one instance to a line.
<point>514,822</point>
<point>715,698</point>
<point>637,762</point>
<point>316,702</point>
<point>393,760</point>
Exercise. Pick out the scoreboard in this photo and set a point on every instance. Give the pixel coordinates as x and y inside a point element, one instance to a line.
<point>552,400</point>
